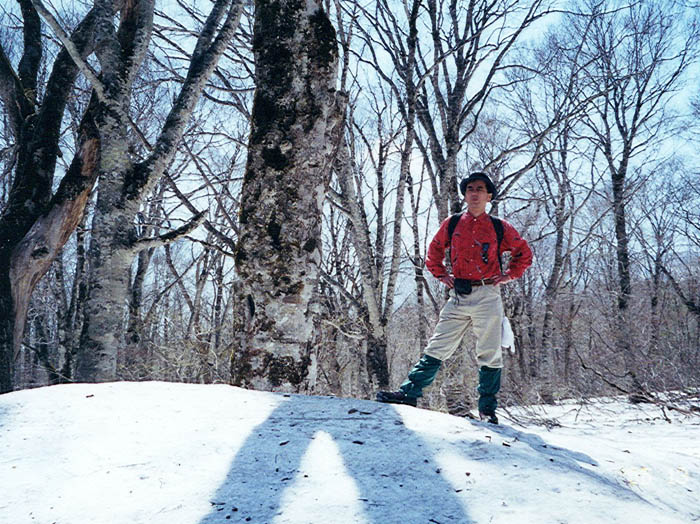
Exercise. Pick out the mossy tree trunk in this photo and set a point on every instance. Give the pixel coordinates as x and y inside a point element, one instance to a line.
<point>296,120</point>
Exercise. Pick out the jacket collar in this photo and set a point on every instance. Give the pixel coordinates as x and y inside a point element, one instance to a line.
<point>481,217</point>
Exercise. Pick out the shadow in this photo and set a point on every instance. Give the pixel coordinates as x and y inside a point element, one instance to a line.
<point>389,465</point>
<point>7,409</point>
<point>560,458</point>
<point>539,445</point>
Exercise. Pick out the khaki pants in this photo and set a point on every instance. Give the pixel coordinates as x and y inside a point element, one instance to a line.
<point>485,309</point>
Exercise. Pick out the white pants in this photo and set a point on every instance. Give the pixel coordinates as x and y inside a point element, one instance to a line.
<point>485,309</point>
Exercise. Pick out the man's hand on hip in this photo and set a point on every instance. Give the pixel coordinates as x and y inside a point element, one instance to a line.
<point>501,279</point>
<point>448,280</point>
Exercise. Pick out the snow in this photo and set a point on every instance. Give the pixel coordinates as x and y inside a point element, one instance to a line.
<point>155,452</point>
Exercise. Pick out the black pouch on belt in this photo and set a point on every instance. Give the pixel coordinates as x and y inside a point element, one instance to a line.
<point>463,286</point>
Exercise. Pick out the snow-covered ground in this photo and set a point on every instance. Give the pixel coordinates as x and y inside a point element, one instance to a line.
<point>193,454</point>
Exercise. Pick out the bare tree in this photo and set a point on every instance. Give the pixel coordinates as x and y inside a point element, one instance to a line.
<point>548,96</point>
<point>676,262</point>
<point>379,254</point>
<point>637,61</point>
<point>471,42</point>
<point>124,182</point>
<point>296,122</point>
<point>36,221</point>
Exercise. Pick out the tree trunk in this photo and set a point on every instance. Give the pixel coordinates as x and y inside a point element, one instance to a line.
<point>73,319</point>
<point>529,334</point>
<point>568,335</point>
<point>218,314</point>
<point>135,323</point>
<point>109,279</point>
<point>654,304</point>
<point>296,121</point>
<point>623,329</point>
<point>419,274</point>
<point>377,364</point>
<point>551,292</point>
<point>7,330</point>
<point>34,223</point>
<point>123,184</point>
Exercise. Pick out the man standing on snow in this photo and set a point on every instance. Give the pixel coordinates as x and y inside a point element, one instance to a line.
<point>476,241</point>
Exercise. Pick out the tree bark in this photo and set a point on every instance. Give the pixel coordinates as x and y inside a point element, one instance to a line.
<point>125,184</point>
<point>296,122</point>
<point>35,224</point>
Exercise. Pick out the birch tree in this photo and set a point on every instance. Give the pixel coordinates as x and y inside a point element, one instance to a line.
<point>120,51</point>
<point>36,220</point>
<point>295,125</point>
<point>379,254</point>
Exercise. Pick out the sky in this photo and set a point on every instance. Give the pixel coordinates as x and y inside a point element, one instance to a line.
<point>155,452</point>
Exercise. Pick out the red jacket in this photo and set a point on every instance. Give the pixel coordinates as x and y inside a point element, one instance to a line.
<point>473,254</point>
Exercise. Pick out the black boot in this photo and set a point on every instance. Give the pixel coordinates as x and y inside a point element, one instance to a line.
<point>491,418</point>
<point>396,397</point>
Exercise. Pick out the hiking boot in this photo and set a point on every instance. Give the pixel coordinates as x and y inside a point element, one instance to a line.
<point>491,418</point>
<point>396,397</point>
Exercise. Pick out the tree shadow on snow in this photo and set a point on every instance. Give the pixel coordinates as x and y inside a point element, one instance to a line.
<point>539,445</point>
<point>561,459</point>
<point>389,464</point>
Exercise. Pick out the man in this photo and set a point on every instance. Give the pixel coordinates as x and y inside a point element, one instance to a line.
<point>474,294</point>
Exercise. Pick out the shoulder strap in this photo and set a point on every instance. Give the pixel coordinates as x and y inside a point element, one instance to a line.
<point>498,226</point>
<point>451,227</point>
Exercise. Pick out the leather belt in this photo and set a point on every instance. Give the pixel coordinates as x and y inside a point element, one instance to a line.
<point>482,282</point>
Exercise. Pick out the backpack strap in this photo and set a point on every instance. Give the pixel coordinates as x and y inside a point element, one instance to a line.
<point>498,226</point>
<point>451,227</point>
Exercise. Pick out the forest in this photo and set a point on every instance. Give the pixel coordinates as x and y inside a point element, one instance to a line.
<point>243,191</point>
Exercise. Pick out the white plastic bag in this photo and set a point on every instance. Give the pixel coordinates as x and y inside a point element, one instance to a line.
<point>507,337</point>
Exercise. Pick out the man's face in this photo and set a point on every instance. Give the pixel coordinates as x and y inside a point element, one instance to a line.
<point>477,196</point>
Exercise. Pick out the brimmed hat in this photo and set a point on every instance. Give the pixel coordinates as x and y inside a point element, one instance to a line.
<point>478,176</point>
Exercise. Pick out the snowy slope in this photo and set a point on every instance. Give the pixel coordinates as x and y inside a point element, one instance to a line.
<point>194,454</point>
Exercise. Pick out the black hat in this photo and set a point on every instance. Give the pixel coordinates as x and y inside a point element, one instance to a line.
<point>478,176</point>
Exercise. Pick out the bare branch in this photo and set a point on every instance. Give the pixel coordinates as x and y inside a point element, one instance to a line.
<point>208,225</point>
<point>168,238</point>
<point>209,50</point>
<point>85,68</point>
